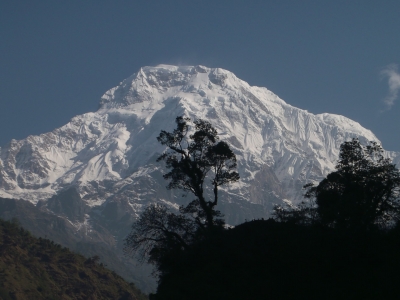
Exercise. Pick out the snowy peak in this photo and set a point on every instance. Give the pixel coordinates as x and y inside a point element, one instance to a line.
<point>110,155</point>
<point>155,85</point>
<point>150,82</point>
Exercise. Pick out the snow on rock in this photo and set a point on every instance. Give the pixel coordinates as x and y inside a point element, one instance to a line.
<point>109,155</point>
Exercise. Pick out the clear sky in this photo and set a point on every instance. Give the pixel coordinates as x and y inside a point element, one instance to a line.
<point>58,57</point>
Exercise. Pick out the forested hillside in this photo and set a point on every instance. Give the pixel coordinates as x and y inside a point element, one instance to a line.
<point>36,268</point>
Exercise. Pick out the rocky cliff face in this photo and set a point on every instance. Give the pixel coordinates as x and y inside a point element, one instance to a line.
<point>109,155</point>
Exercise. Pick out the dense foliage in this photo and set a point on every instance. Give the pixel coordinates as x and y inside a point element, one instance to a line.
<point>362,194</point>
<point>197,162</point>
<point>32,268</point>
<point>276,260</point>
<point>342,243</point>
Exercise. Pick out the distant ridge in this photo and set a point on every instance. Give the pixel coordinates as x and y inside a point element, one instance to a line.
<point>32,268</point>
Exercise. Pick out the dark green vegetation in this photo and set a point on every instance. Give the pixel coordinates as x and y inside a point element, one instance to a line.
<point>361,195</point>
<point>275,260</point>
<point>96,239</point>
<point>36,268</point>
<point>196,161</point>
<point>342,243</point>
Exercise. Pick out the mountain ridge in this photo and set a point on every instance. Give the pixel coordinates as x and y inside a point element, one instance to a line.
<point>117,144</point>
<point>108,157</point>
<point>37,268</point>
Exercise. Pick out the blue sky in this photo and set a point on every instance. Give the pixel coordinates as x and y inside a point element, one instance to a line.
<point>58,57</point>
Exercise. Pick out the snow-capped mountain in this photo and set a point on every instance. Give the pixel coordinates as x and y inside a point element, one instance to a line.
<point>110,155</point>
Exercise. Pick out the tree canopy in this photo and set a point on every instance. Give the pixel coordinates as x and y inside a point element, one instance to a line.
<point>339,250</point>
<point>197,161</point>
<point>363,192</point>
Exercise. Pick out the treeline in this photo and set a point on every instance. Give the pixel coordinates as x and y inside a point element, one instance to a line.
<point>342,242</point>
<point>266,259</point>
<point>37,268</point>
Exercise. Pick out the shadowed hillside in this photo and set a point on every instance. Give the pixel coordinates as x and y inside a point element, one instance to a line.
<point>45,224</point>
<point>36,268</point>
<point>273,260</point>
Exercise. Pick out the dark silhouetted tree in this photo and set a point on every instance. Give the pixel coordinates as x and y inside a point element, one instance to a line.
<point>196,162</point>
<point>363,192</point>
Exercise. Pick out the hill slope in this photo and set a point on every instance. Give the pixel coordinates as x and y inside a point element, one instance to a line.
<point>32,268</point>
<point>100,242</point>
